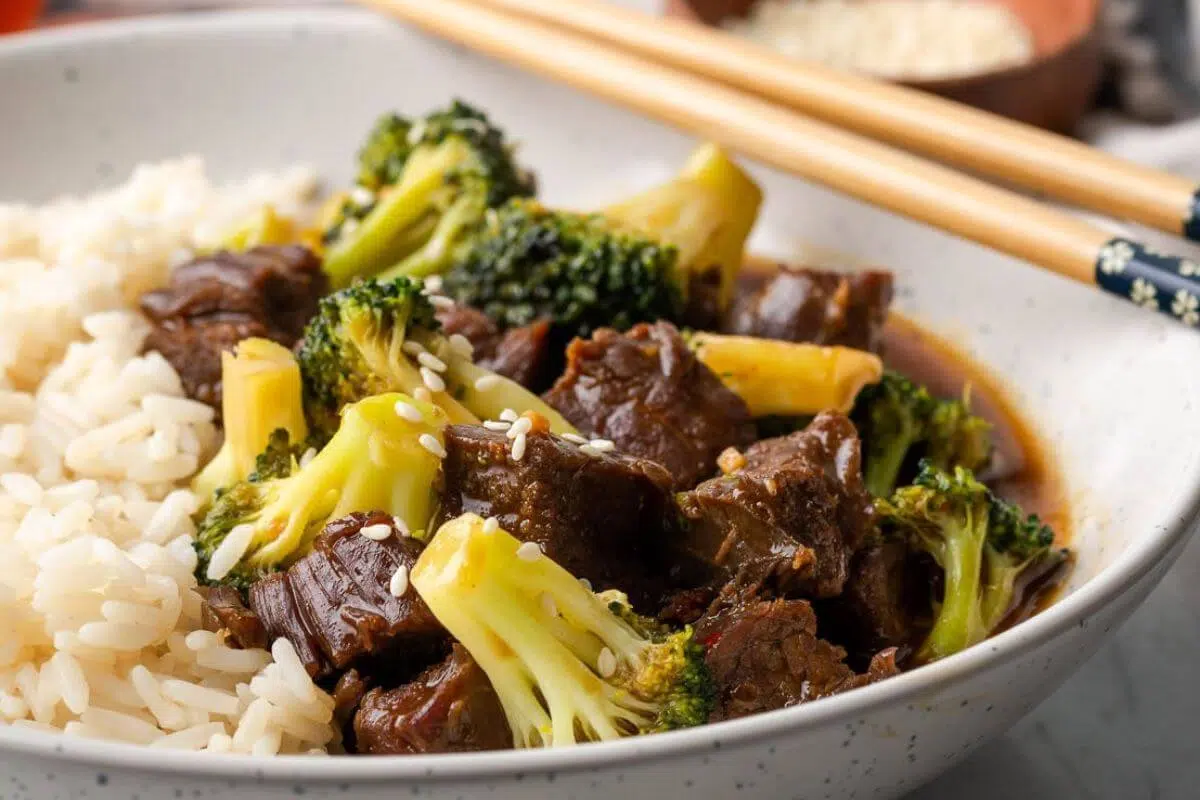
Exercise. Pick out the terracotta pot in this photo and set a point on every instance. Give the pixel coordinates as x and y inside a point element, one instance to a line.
<point>1053,91</point>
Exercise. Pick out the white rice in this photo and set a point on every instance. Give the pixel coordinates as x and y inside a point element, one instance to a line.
<point>100,632</point>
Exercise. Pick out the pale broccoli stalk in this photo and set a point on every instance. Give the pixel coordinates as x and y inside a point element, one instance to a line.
<point>567,665</point>
<point>377,461</point>
<point>261,394</point>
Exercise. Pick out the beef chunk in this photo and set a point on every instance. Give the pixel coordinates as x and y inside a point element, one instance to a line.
<point>793,515</point>
<point>809,305</point>
<point>766,655</point>
<point>449,708</point>
<point>648,393</point>
<point>224,610</point>
<point>521,354</point>
<point>216,301</point>
<point>687,606</point>
<point>335,605</point>
<point>601,517</point>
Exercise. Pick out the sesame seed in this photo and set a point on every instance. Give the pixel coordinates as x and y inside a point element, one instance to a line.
<point>518,447</point>
<point>588,450</point>
<point>461,345</point>
<point>585,583</point>
<point>432,380</point>
<point>422,394</point>
<point>413,348</point>
<point>606,663</point>
<point>408,411</point>
<point>362,196</point>
<point>520,427</point>
<point>431,361</point>
<point>377,533</point>
<point>349,226</point>
<point>308,456</point>
<point>496,425</point>
<point>602,445</point>
<point>508,415</point>
<point>401,526</point>
<point>441,301</point>
<point>491,525</point>
<point>433,283</point>
<point>574,438</point>
<point>487,383</point>
<point>529,551</point>
<point>430,443</point>
<point>548,605</point>
<point>399,583</point>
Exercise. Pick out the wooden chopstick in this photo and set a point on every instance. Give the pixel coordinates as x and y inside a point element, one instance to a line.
<point>873,172</point>
<point>1021,155</point>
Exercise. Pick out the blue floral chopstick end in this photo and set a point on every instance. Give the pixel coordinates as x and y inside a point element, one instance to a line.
<point>1151,279</point>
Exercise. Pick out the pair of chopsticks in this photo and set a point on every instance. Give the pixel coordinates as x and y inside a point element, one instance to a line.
<point>702,81</point>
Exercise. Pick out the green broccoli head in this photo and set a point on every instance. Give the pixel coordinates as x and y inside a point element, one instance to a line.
<point>981,542</point>
<point>425,186</point>
<point>577,270</point>
<point>380,336</point>
<point>901,423</point>
<point>568,666</point>
<point>377,461</point>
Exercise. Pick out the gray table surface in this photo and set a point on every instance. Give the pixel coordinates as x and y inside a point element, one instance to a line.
<point>1125,727</point>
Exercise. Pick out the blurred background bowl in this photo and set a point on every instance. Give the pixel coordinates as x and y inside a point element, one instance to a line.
<point>1053,91</point>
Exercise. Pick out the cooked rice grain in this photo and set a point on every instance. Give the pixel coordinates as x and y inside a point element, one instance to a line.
<point>99,618</point>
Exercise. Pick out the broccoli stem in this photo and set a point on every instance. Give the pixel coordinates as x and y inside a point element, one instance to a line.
<point>960,621</point>
<point>434,257</point>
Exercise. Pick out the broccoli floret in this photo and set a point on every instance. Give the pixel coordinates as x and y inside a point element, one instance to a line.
<point>982,544</point>
<point>261,395</point>
<point>424,187</point>
<point>900,423</point>
<point>369,338</point>
<point>375,462</point>
<point>633,262</point>
<point>786,379</point>
<point>568,665</point>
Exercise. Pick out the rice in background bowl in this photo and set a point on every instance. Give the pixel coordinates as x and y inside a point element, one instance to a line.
<point>100,629</point>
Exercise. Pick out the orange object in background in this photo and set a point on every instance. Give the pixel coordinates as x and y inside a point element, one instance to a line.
<point>18,15</point>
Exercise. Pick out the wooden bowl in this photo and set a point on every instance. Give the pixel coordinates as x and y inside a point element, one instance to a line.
<point>1053,91</point>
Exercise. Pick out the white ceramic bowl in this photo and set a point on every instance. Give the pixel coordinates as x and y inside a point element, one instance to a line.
<point>1115,390</point>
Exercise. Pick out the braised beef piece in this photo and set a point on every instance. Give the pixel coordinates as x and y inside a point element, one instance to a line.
<point>449,708</point>
<point>522,354</point>
<point>766,655</point>
<point>600,516</point>
<point>225,610</point>
<point>648,393</point>
<point>335,605</point>
<point>687,606</point>
<point>791,517</point>
<point>811,305</point>
<point>348,694</point>
<point>216,301</point>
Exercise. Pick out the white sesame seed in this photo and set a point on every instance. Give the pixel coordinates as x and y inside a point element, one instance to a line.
<point>496,425</point>
<point>487,383</point>
<point>518,447</point>
<point>433,283</point>
<point>602,445</point>
<point>588,450</point>
<point>606,663</point>
<point>508,415</point>
<point>574,438</point>
<point>308,456</point>
<point>362,196</point>
<point>432,380</point>
<point>430,443</point>
<point>529,551</point>
<point>461,345</point>
<point>520,427</point>
<point>585,583</point>
<point>548,605</point>
<point>399,583</point>
<point>441,301</point>
<point>377,533</point>
<point>491,525</point>
<point>431,361</point>
<point>349,226</point>
<point>422,394</point>
<point>414,349</point>
<point>401,526</point>
<point>408,411</point>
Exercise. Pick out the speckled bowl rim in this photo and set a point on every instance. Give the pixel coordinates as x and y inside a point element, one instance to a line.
<point>1139,559</point>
